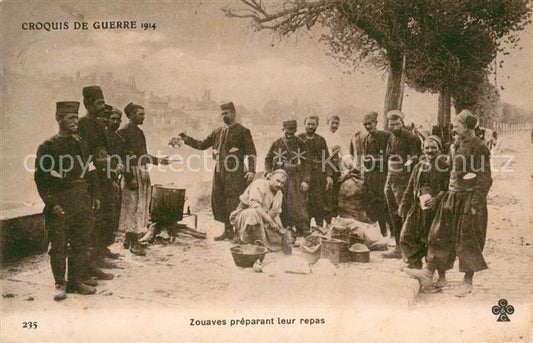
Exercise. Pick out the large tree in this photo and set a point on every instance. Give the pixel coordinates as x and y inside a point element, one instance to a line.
<point>441,40</point>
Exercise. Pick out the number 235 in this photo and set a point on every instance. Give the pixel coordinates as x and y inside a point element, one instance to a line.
<point>29,325</point>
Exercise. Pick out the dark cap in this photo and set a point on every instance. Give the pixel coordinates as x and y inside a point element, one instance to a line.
<point>64,107</point>
<point>290,124</point>
<point>228,106</point>
<point>92,93</point>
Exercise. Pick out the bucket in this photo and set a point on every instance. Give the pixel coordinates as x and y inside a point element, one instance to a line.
<point>246,255</point>
<point>166,204</point>
<point>335,250</point>
<point>359,253</point>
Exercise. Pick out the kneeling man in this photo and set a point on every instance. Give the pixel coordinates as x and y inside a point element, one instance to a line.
<point>259,210</point>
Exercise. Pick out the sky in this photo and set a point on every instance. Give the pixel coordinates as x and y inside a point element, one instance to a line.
<point>195,47</point>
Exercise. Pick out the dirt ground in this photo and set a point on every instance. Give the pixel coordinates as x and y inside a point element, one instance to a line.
<point>155,297</point>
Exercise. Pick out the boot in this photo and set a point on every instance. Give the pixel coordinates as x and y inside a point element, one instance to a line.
<point>150,234</point>
<point>441,282</point>
<point>425,276</point>
<point>396,253</point>
<point>414,265</point>
<point>227,234</point>
<point>109,254</point>
<point>60,293</point>
<point>102,263</point>
<point>464,289</point>
<point>466,286</point>
<point>90,282</point>
<point>136,247</point>
<point>95,271</point>
<point>127,240</point>
<point>79,287</point>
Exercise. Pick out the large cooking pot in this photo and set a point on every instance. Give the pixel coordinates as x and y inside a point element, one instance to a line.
<point>166,204</point>
<point>246,255</point>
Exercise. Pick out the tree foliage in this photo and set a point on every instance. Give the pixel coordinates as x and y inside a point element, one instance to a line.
<point>448,44</point>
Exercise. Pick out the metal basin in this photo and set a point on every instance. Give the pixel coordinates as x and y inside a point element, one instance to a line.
<point>246,255</point>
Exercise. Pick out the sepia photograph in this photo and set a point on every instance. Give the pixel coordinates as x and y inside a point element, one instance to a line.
<point>266,171</point>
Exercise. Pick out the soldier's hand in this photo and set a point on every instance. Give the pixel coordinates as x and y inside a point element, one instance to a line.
<point>120,168</point>
<point>132,185</point>
<point>473,207</point>
<point>304,186</point>
<point>329,183</point>
<point>429,203</point>
<point>96,205</point>
<point>249,176</point>
<point>176,141</point>
<point>58,210</point>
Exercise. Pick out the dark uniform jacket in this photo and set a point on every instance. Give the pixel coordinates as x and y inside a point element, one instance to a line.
<point>231,146</point>
<point>401,148</point>
<point>95,135</point>
<point>52,179</point>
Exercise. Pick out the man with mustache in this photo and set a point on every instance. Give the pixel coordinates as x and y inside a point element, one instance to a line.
<point>68,185</point>
<point>290,154</point>
<point>403,150</point>
<point>232,144</point>
<point>427,185</point>
<point>258,215</point>
<point>117,152</point>
<point>321,172</point>
<point>373,148</point>
<point>334,141</point>
<point>136,190</point>
<point>92,130</point>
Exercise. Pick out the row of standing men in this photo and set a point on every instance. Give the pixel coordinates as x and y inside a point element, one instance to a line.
<point>433,204</point>
<point>79,230</point>
<point>87,192</point>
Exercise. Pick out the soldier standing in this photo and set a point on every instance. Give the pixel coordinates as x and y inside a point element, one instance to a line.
<point>321,172</point>
<point>290,154</point>
<point>336,152</point>
<point>94,133</point>
<point>231,144</point>
<point>136,190</point>
<point>403,150</point>
<point>68,185</point>
<point>117,152</point>
<point>460,225</point>
<point>373,148</point>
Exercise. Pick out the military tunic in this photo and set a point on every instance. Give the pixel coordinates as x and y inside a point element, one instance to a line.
<point>425,179</point>
<point>231,146</point>
<point>290,155</point>
<point>374,147</point>
<point>456,229</point>
<point>317,154</point>
<point>64,177</point>
<point>95,135</point>
<point>117,152</point>
<point>400,148</point>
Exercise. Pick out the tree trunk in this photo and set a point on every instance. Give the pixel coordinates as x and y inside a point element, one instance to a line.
<point>444,117</point>
<point>394,85</point>
<point>445,108</point>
